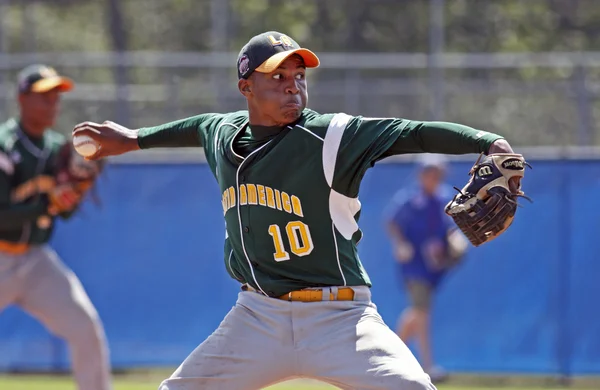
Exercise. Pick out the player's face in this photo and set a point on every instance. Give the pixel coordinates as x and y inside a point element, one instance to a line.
<point>278,98</point>
<point>40,108</point>
<point>431,178</point>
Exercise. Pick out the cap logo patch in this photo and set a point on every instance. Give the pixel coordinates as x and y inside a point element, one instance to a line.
<point>244,65</point>
<point>46,72</point>
<point>284,41</point>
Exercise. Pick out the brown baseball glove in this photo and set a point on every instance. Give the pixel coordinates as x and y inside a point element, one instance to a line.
<point>486,206</point>
<point>74,176</point>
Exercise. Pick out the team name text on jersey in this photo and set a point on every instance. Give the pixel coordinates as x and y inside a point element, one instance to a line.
<point>257,194</point>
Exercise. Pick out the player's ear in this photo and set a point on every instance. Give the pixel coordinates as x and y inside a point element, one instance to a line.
<point>244,87</point>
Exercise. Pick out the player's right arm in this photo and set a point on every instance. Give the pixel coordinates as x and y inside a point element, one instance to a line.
<point>13,216</point>
<point>115,139</point>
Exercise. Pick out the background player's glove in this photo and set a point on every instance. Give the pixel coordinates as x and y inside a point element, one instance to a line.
<point>74,176</point>
<point>486,206</point>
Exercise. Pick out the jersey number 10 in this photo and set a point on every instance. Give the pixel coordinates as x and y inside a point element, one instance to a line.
<point>299,238</point>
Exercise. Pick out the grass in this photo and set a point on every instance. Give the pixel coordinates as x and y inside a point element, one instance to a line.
<point>35,382</point>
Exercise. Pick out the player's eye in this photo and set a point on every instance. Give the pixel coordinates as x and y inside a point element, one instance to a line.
<point>300,76</point>
<point>277,76</point>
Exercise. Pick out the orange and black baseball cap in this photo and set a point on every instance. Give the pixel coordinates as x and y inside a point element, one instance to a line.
<point>265,52</point>
<point>42,78</point>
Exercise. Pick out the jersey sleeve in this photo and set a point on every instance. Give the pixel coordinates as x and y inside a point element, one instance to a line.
<point>194,131</point>
<point>367,140</point>
<point>440,137</point>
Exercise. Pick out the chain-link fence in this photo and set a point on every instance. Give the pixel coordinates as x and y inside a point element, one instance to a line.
<point>147,62</point>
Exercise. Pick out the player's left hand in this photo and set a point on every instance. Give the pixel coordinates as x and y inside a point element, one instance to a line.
<point>502,146</point>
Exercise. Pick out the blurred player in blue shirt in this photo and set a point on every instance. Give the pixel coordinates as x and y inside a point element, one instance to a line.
<point>426,246</point>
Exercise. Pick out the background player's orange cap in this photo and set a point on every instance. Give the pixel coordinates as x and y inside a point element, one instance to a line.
<point>265,52</point>
<point>42,78</point>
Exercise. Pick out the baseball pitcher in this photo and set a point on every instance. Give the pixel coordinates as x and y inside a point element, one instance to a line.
<point>289,180</point>
<point>42,179</point>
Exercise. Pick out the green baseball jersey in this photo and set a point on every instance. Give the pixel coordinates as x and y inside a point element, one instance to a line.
<point>25,176</point>
<point>290,195</point>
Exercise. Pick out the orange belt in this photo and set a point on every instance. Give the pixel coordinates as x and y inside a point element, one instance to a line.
<point>14,248</point>
<point>343,294</point>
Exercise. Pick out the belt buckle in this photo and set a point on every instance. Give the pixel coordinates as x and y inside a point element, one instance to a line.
<point>290,296</point>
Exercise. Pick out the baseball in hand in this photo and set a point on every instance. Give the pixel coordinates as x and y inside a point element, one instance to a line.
<point>85,145</point>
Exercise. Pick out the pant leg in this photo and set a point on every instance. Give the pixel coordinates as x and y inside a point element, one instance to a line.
<point>12,268</point>
<point>251,349</point>
<point>348,345</point>
<point>54,295</point>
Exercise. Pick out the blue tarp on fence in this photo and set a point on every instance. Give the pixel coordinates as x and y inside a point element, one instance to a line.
<point>151,261</point>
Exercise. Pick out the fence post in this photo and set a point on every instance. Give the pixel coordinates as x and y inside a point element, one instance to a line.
<point>563,342</point>
<point>4,4</point>
<point>352,91</point>
<point>584,108</point>
<point>173,104</point>
<point>219,11</point>
<point>30,29</point>
<point>436,49</point>
<point>119,39</point>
